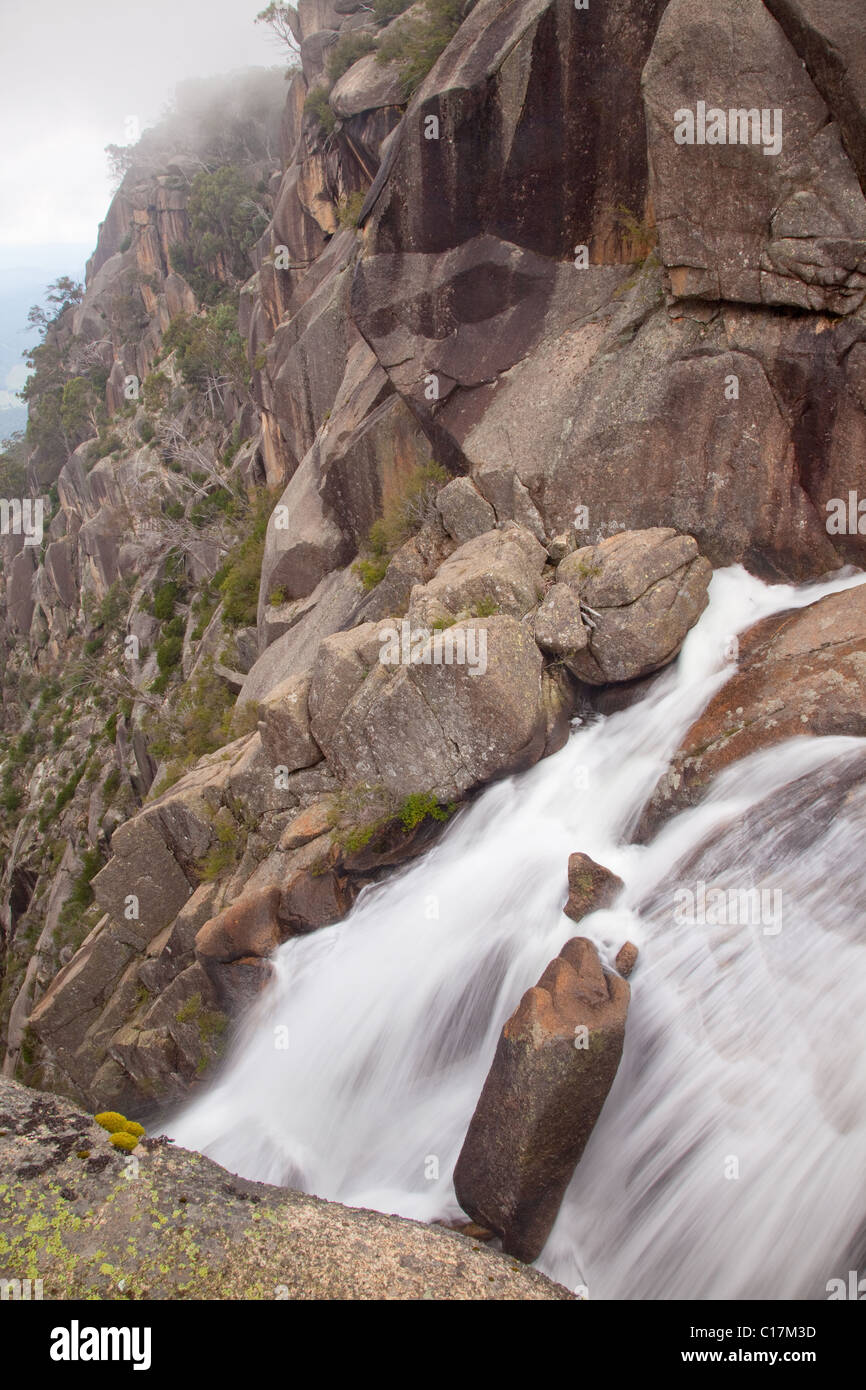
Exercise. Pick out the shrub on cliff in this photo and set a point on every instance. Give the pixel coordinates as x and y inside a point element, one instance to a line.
<point>346,52</point>
<point>318,106</point>
<point>403,514</point>
<point>417,41</point>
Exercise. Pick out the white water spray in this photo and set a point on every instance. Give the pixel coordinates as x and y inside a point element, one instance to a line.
<point>728,1158</point>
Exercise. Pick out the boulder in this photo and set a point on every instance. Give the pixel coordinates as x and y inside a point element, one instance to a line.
<point>250,926</point>
<point>343,662</point>
<point>285,725</point>
<point>499,570</point>
<point>559,625</point>
<point>446,727</point>
<point>643,590</point>
<point>555,1063</point>
<point>799,673</point>
<point>626,959</point>
<point>770,216</point>
<point>590,887</point>
<point>367,84</point>
<point>463,510</point>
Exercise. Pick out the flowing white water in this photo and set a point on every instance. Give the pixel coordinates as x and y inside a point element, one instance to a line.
<point>742,1050</point>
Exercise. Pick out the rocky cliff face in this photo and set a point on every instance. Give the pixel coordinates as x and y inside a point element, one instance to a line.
<point>518,368</point>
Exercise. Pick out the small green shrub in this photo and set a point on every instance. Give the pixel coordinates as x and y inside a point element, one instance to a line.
<point>318,106</point>
<point>404,514</point>
<point>417,807</point>
<point>371,571</point>
<point>346,52</point>
<point>165,599</point>
<point>168,654</point>
<point>416,42</point>
<point>349,209</point>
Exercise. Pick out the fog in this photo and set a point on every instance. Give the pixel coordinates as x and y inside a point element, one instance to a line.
<point>76,75</point>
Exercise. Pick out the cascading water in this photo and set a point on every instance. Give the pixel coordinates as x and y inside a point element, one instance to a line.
<point>728,1158</point>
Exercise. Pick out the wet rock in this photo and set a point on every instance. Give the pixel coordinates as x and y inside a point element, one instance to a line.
<point>626,959</point>
<point>590,886</point>
<point>799,673</point>
<point>555,1062</point>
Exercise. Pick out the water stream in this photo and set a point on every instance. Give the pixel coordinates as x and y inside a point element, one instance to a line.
<point>728,1159</point>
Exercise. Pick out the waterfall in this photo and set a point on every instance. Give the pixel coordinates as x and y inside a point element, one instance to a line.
<point>728,1159</point>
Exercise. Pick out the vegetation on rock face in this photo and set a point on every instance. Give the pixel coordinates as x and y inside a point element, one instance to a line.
<point>346,51</point>
<point>209,348</point>
<point>349,209</point>
<point>404,513</point>
<point>414,43</point>
<point>226,220</point>
<point>360,813</point>
<point>318,106</point>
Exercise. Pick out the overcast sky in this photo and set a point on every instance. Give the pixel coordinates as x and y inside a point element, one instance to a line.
<point>72,75</point>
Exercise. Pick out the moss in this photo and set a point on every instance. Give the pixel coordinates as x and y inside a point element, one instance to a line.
<point>133,1127</point>
<point>111,1120</point>
<point>417,807</point>
<point>125,1141</point>
<point>485,608</point>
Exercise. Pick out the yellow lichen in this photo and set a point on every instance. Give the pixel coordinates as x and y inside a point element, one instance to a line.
<point>133,1127</point>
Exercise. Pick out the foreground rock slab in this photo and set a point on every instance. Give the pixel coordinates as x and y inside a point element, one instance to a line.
<point>183,1227</point>
<point>554,1065</point>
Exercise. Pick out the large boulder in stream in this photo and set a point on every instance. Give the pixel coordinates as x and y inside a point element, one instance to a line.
<point>555,1062</point>
<point>186,1228</point>
<point>800,672</point>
